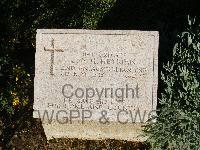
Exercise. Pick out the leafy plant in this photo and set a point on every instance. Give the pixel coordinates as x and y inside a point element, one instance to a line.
<point>178,121</point>
<point>91,12</point>
<point>19,21</point>
<point>15,101</point>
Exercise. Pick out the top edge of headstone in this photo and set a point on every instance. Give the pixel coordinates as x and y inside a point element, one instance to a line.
<point>100,32</point>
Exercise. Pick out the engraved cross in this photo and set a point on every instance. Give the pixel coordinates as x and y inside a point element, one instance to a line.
<point>52,55</point>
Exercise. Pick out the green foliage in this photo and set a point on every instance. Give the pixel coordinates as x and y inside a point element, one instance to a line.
<point>178,120</point>
<point>14,89</point>
<point>21,18</point>
<point>18,24</point>
<point>91,12</point>
<point>15,100</point>
<point>4,63</point>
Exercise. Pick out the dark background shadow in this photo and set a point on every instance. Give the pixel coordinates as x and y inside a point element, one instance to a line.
<point>169,17</point>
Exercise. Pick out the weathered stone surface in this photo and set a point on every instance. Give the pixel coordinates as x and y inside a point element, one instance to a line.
<point>105,73</point>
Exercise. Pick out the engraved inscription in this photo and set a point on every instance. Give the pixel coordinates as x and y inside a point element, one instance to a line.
<point>52,56</point>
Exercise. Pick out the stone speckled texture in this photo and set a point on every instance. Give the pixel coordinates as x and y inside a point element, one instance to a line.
<point>96,59</point>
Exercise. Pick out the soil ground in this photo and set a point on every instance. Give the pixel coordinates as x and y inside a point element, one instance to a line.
<point>31,136</point>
